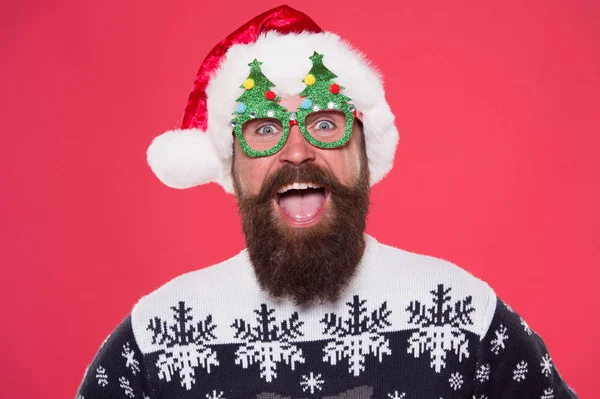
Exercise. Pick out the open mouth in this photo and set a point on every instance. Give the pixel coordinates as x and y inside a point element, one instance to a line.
<point>302,203</point>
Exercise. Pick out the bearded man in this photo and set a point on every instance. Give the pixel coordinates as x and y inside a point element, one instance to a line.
<point>294,121</point>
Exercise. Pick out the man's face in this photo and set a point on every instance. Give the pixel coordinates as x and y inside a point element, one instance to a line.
<point>303,211</point>
<point>344,163</point>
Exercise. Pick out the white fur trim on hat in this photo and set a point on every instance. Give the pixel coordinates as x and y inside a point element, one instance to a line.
<point>285,62</point>
<point>184,158</point>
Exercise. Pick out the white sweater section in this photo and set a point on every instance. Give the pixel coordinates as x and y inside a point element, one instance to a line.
<point>228,291</point>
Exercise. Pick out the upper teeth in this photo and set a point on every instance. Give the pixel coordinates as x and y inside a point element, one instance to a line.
<point>297,186</point>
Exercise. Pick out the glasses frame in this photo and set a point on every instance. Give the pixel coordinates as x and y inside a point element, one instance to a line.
<point>289,119</point>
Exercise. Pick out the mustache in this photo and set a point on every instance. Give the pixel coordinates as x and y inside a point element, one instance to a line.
<point>306,173</point>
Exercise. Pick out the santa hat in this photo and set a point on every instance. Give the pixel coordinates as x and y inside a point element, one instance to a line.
<point>283,39</point>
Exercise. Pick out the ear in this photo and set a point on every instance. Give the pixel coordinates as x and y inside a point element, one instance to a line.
<point>359,116</point>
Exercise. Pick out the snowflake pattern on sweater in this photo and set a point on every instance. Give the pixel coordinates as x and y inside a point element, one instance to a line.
<point>441,327</point>
<point>185,350</point>
<point>443,335</point>
<point>357,336</point>
<point>113,375</point>
<point>268,343</point>
<point>519,366</point>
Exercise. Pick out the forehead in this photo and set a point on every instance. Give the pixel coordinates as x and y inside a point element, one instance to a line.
<point>290,103</point>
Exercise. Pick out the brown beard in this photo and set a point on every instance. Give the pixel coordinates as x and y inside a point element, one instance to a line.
<point>312,263</point>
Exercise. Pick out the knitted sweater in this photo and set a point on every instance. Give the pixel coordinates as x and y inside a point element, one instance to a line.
<point>408,326</point>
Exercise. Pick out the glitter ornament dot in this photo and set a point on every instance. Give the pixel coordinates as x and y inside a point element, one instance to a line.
<point>306,104</point>
<point>331,105</point>
<point>252,114</point>
<point>270,95</point>
<point>248,84</point>
<point>334,88</point>
<point>241,108</point>
<point>310,79</point>
<point>316,108</point>
<point>292,117</point>
<point>270,113</point>
<point>351,107</point>
<point>233,123</point>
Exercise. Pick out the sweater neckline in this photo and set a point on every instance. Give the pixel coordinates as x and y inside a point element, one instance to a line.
<point>366,263</point>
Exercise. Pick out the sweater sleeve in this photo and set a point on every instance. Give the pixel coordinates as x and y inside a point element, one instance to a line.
<point>513,362</point>
<point>117,370</point>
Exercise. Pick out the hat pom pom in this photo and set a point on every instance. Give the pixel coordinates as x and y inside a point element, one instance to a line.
<point>183,158</point>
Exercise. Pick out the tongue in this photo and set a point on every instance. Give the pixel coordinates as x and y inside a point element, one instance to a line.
<point>301,206</point>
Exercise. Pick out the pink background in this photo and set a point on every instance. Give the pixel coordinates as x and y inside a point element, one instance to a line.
<point>497,168</point>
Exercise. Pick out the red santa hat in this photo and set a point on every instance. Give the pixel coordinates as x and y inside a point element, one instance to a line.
<point>283,39</point>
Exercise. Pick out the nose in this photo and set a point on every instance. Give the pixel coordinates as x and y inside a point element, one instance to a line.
<point>297,149</point>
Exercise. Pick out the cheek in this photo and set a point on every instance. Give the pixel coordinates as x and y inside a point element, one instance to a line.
<point>250,172</point>
<point>356,159</point>
<point>342,163</point>
<point>352,168</point>
<point>346,163</point>
<point>354,163</point>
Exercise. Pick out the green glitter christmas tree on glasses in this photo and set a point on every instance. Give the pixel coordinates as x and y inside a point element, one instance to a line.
<point>325,117</point>
<point>259,139</point>
<point>324,100</point>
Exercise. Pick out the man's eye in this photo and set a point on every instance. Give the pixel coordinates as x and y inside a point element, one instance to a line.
<point>267,129</point>
<point>324,125</point>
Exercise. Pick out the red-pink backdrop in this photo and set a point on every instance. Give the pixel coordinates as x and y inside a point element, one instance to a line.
<point>497,167</point>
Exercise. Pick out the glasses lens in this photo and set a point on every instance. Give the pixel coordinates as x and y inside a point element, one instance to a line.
<point>262,133</point>
<point>326,126</point>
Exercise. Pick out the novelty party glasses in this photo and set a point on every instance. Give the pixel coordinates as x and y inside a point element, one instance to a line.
<point>265,135</point>
<point>262,126</point>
